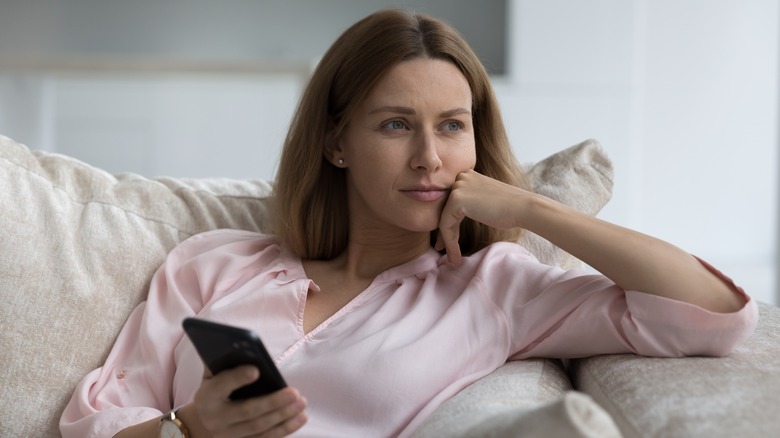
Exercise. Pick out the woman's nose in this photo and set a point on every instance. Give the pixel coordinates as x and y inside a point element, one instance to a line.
<point>426,155</point>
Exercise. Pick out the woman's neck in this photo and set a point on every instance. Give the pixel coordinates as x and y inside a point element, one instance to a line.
<point>369,254</point>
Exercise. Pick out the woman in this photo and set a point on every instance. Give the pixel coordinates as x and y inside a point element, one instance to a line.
<point>397,154</point>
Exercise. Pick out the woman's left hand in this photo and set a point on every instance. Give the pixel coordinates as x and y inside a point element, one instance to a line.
<point>483,199</point>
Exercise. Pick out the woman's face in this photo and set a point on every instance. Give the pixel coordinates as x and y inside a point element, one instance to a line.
<point>405,145</point>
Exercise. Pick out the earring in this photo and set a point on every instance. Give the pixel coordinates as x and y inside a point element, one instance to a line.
<point>341,161</point>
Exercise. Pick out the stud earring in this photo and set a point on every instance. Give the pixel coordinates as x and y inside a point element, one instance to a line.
<point>341,161</point>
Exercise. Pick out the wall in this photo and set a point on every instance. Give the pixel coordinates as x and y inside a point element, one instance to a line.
<point>682,95</point>
<point>233,32</point>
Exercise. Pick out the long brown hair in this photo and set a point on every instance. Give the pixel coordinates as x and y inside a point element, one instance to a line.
<point>310,206</point>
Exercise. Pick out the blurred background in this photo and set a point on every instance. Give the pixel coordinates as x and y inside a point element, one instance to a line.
<point>682,94</point>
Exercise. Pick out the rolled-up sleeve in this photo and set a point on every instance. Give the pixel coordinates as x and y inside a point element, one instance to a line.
<point>134,384</point>
<point>566,314</point>
<point>124,391</point>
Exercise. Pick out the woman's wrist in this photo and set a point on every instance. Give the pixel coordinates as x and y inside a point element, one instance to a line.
<point>534,210</point>
<point>189,416</point>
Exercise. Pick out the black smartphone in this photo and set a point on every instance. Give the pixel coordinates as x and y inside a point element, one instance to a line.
<point>223,347</point>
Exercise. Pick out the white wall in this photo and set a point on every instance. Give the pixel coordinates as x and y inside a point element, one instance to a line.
<point>191,126</point>
<point>711,104</point>
<point>682,95</point>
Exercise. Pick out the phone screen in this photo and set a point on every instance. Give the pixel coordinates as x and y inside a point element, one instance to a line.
<point>223,347</point>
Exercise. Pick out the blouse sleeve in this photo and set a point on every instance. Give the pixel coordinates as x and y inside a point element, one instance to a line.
<point>134,384</point>
<point>556,313</point>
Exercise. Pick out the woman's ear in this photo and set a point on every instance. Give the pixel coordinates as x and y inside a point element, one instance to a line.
<point>332,150</point>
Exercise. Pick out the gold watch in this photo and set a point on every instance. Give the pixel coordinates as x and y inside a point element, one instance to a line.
<point>172,427</point>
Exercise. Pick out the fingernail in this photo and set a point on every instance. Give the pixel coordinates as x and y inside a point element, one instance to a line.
<point>292,396</point>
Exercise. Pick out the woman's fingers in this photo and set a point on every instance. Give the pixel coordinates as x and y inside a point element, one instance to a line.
<point>276,414</point>
<point>482,199</point>
<point>449,230</point>
<point>224,383</point>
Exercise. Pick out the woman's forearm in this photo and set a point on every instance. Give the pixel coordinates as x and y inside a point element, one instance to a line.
<point>632,260</point>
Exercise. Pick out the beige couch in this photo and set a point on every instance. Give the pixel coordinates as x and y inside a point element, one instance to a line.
<point>79,246</point>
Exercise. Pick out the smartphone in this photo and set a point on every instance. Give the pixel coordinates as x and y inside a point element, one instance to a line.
<point>223,347</point>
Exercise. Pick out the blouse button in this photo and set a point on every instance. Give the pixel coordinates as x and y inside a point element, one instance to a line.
<point>121,374</point>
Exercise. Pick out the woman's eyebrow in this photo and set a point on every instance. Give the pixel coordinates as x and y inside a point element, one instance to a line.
<point>410,111</point>
<point>393,109</point>
<point>455,112</point>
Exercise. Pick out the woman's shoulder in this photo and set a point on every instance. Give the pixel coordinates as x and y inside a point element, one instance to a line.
<point>230,240</point>
<point>223,259</point>
<point>228,235</point>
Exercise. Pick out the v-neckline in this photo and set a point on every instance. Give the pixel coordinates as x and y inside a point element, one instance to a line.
<point>421,263</point>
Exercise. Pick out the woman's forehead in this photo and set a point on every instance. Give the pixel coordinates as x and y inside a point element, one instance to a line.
<point>418,82</point>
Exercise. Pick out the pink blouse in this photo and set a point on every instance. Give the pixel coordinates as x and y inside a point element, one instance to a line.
<point>421,332</point>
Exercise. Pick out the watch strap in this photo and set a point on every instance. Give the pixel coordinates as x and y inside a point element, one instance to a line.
<point>173,417</point>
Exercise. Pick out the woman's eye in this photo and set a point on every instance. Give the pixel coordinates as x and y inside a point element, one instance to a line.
<point>452,126</point>
<point>395,124</point>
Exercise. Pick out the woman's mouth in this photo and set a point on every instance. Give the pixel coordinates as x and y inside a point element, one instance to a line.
<point>425,195</point>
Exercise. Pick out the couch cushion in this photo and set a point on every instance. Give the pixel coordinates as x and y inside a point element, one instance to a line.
<point>79,247</point>
<point>694,396</point>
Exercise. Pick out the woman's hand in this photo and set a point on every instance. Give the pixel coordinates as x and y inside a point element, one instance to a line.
<point>213,414</point>
<point>482,199</point>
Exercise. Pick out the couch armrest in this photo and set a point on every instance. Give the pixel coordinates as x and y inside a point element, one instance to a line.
<point>695,396</point>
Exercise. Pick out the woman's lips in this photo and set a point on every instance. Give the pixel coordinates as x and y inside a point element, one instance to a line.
<point>426,195</point>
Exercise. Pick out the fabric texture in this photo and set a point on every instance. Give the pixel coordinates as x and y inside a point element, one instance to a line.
<point>735,396</point>
<point>455,324</point>
<point>80,245</point>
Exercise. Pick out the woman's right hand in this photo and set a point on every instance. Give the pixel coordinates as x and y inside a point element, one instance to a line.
<point>213,414</point>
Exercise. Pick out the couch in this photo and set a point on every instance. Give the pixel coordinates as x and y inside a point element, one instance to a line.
<point>79,246</point>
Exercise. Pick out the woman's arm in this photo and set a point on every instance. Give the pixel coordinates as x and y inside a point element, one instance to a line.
<point>633,260</point>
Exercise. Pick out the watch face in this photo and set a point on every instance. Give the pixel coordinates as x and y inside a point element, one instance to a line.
<point>169,429</point>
